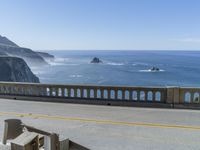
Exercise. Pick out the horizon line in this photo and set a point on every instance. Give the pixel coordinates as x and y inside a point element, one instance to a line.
<point>116,50</point>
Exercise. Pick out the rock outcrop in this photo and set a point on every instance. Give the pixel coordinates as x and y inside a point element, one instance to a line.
<point>96,60</point>
<point>46,56</point>
<point>154,69</point>
<point>13,69</point>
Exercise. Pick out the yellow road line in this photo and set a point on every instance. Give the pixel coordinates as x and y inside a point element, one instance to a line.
<point>100,121</point>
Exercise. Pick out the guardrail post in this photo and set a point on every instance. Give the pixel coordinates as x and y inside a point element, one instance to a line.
<point>173,95</point>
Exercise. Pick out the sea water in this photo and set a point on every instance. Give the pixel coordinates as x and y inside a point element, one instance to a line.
<point>132,68</point>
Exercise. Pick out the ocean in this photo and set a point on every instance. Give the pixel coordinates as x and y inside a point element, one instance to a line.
<point>131,68</point>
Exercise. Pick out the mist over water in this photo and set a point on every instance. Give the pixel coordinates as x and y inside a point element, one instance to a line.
<point>177,68</point>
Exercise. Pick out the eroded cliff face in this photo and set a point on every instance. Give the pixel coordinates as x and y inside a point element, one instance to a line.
<point>13,69</point>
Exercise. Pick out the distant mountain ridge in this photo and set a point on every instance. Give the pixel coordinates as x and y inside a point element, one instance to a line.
<point>5,41</point>
<point>31,57</point>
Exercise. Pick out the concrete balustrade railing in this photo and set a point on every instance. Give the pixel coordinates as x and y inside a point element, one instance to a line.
<point>168,95</point>
<point>84,91</point>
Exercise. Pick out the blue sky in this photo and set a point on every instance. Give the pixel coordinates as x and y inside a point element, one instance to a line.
<point>102,24</point>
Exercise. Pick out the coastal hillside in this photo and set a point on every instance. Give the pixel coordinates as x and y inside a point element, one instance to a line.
<point>5,41</point>
<point>11,49</point>
<point>31,57</point>
<point>15,69</point>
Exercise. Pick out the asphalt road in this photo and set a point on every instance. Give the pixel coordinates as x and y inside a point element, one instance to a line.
<point>108,127</point>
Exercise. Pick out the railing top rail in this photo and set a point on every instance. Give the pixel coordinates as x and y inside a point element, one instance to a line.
<point>83,86</point>
<point>185,88</point>
<point>99,86</point>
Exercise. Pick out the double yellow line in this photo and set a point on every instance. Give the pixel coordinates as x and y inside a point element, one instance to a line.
<point>41,116</point>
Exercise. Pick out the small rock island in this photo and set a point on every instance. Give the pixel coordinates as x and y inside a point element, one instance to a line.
<point>96,60</point>
<point>154,69</point>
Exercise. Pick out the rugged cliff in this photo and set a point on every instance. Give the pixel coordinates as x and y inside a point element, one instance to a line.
<point>15,69</point>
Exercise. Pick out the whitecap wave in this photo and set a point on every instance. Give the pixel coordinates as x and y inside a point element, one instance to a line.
<point>71,64</point>
<point>56,64</point>
<point>115,64</point>
<point>149,70</point>
<point>61,59</point>
<point>38,72</point>
<point>140,63</point>
<point>76,76</point>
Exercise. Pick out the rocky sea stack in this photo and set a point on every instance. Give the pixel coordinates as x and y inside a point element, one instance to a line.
<point>96,60</point>
<point>155,69</point>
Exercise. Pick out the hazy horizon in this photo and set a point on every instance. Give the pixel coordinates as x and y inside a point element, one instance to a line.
<point>102,25</point>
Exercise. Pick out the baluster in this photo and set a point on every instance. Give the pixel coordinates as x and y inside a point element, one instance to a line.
<point>50,91</point>
<point>81,92</point>
<point>130,95</point>
<point>154,96</point>
<point>108,92</point>
<point>88,93</point>
<point>63,92</point>
<point>102,93</point>
<point>45,91</point>
<point>75,92</point>
<point>116,94</point>
<point>123,94</point>
<point>95,93</point>
<point>69,92</point>
<point>192,97</point>
<point>138,95</point>
<point>146,95</point>
<point>56,91</point>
